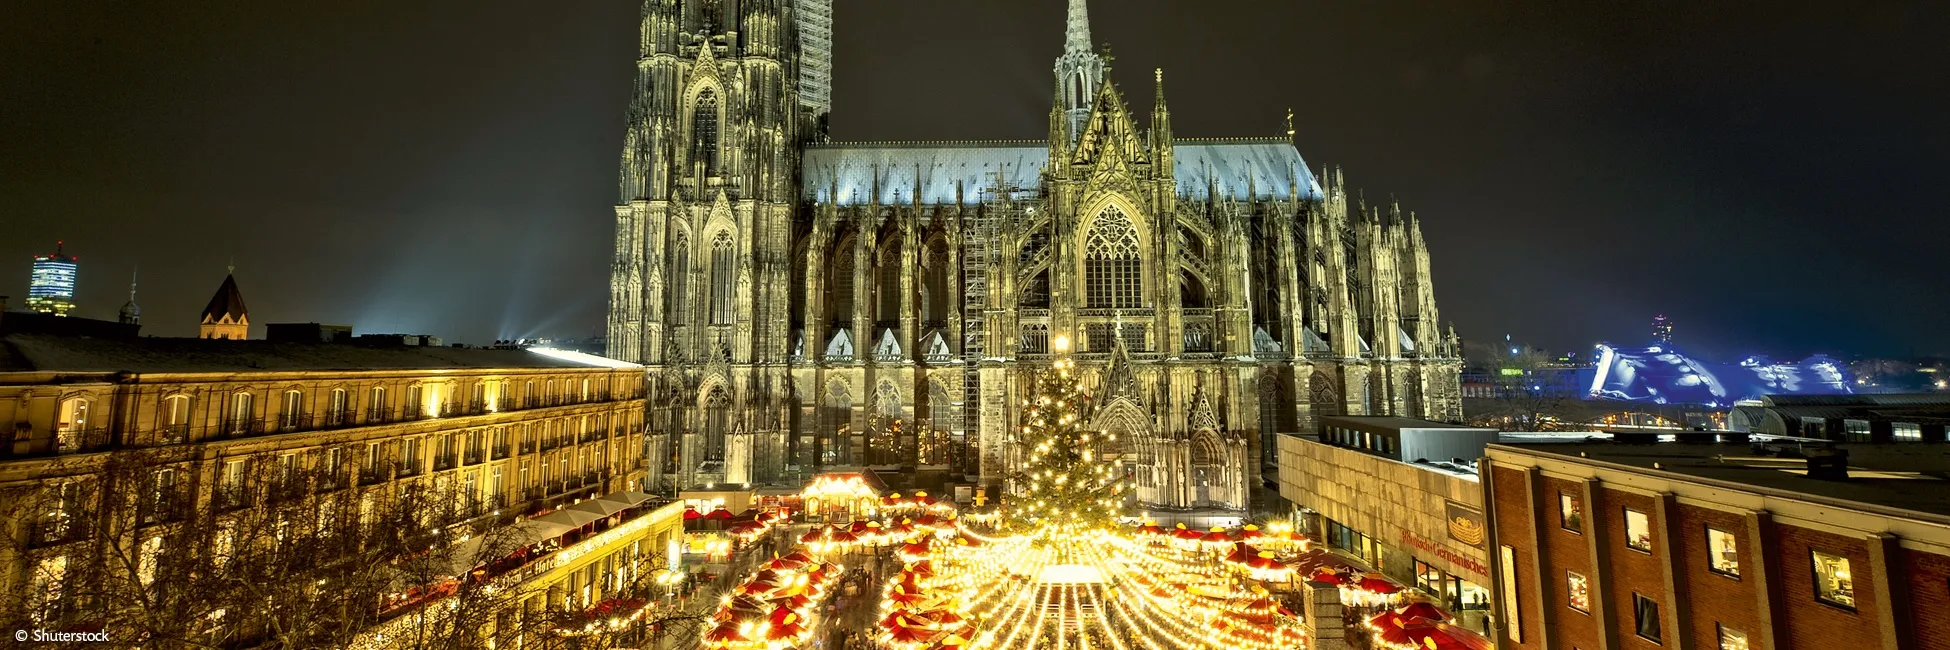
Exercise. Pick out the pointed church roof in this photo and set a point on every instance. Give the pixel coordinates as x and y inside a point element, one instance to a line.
<point>228,302</point>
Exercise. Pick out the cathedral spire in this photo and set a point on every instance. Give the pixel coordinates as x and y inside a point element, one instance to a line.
<point>1076,37</point>
<point>1079,72</point>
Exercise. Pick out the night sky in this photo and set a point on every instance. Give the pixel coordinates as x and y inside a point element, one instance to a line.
<point>1765,173</point>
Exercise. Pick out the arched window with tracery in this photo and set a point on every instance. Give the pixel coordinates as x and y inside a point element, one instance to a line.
<point>717,423</point>
<point>937,445</point>
<point>704,131</point>
<point>839,284</point>
<point>888,284</point>
<point>723,272</point>
<point>680,276</point>
<point>1113,268</point>
<point>934,291</point>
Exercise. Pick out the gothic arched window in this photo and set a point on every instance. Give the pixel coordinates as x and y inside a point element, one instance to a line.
<point>889,284</point>
<point>680,276</point>
<point>934,291</point>
<point>723,302</point>
<point>946,427</point>
<point>1112,266</point>
<point>717,423</point>
<point>839,284</point>
<point>704,131</point>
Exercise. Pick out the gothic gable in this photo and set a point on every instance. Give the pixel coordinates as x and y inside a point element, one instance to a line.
<point>1110,128</point>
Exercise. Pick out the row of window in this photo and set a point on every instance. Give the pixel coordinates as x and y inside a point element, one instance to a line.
<point>174,414</point>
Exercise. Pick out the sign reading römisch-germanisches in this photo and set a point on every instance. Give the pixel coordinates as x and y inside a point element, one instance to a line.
<point>1465,524</point>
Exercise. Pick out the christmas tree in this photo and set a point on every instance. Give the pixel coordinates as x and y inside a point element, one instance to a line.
<point>1061,481</point>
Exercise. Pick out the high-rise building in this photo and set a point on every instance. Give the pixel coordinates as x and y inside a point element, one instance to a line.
<point>803,304</point>
<point>50,289</point>
<point>1662,329</point>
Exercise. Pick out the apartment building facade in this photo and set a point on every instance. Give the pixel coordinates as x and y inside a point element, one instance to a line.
<point>128,457</point>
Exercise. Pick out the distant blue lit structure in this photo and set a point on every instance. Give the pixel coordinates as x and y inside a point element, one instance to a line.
<point>50,289</point>
<point>1661,374</point>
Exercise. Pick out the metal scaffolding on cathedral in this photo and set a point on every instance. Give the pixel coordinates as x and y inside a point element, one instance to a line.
<point>803,305</point>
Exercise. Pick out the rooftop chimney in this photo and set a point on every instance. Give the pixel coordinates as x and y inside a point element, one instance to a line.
<point>1828,464</point>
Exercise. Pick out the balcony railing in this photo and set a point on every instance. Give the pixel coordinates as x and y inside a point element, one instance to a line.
<point>77,440</point>
<point>500,451</point>
<point>443,461</point>
<point>238,428</point>
<point>166,509</point>
<point>476,456</point>
<point>231,497</point>
<point>293,421</point>
<point>527,446</point>
<point>59,529</point>
<point>410,466</point>
<point>375,474</point>
<point>330,481</point>
<point>172,434</point>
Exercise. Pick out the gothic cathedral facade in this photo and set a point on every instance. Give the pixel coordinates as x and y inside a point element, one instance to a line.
<point>805,305</point>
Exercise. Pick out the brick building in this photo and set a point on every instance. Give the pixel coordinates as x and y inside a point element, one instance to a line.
<point>1781,543</point>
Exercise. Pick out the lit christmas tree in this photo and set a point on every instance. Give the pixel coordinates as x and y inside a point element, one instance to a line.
<point>1062,482</point>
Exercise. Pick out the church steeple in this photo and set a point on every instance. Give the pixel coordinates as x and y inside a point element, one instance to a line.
<point>1076,37</point>
<point>131,314</point>
<point>1079,72</point>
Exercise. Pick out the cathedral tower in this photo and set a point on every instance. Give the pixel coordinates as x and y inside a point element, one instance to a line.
<point>804,306</point>
<point>1079,72</point>
<point>706,193</point>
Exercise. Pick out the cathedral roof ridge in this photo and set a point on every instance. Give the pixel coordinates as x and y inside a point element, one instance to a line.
<point>1235,140</point>
<point>926,143</point>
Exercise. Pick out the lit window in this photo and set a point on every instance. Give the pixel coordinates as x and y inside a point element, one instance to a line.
<point>1570,513</point>
<point>1833,582</point>
<point>1638,531</point>
<point>1723,552</point>
<point>1579,591</point>
<point>1732,639</point>
<point>1645,612</point>
<point>1511,611</point>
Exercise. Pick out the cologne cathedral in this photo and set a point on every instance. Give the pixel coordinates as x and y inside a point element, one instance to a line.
<point>804,305</point>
